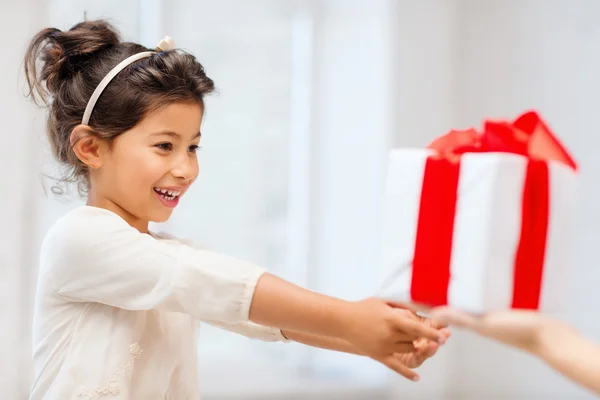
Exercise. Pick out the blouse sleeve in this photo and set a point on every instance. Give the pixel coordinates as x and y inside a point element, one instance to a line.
<point>102,259</point>
<point>253,331</point>
<point>248,329</point>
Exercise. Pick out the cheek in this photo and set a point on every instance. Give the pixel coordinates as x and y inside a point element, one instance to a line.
<point>139,170</point>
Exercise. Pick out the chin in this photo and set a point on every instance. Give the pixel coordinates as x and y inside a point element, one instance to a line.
<point>160,216</point>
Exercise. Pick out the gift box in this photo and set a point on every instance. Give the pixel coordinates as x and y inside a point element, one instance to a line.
<point>481,220</point>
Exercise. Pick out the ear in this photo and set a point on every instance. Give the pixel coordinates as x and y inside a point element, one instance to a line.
<point>88,147</point>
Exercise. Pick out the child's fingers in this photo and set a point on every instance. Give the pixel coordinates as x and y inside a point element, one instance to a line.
<point>395,364</point>
<point>435,324</point>
<point>400,305</point>
<point>446,333</point>
<point>417,329</point>
<point>410,306</point>
<point>446,315</point>
<point>403,347</point>
<point>428,350</point>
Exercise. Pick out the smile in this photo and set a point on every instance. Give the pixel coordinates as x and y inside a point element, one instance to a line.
<point>167,194</point>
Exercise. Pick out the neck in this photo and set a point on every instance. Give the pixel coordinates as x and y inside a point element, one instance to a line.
<point>99,201</point>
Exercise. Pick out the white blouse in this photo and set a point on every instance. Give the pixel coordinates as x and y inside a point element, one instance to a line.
<point>117,311</point>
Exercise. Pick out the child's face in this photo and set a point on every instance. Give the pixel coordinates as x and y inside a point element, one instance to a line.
<point>147,169</point>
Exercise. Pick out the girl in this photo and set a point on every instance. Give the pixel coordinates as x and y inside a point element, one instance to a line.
<point>559,345</point>
<point>117,306</point>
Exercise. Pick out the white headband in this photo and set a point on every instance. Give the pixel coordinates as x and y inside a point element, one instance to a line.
<point>166,44</point>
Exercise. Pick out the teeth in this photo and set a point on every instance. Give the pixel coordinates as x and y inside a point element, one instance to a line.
<point>168,194</point>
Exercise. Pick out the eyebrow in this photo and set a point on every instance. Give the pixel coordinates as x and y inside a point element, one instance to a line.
<point>173,134</point>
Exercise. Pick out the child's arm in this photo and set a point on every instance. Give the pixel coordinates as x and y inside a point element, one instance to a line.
<point>337,344</point>
<point>327,342</point>
<point>412,357</point>
<point>371,326</point>
<point>403,363</point>
<point>559,345</point>
<point>101,259</point>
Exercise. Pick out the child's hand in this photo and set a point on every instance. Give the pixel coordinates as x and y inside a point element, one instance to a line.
<point>403,363</point>
<point>378,329</point>
<point>521,329</point>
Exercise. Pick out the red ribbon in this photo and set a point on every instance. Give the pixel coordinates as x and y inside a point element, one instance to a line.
<point>528,136</point>
<point>433,249</point>
<point>529,259</point>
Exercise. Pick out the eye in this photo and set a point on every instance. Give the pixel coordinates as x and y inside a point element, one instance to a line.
<point>194,148</point>
<point>164,146</point>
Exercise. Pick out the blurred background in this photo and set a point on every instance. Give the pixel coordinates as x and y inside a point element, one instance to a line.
<point>312,95</point>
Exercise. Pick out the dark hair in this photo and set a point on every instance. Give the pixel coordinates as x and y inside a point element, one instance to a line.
<point>64,68</point>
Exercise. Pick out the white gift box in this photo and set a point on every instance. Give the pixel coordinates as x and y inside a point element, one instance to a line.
<point>482,272</point>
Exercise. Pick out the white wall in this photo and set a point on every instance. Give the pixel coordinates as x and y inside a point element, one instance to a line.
<point>498,58</point>
<point>350,126</point>
<point>17,262</point>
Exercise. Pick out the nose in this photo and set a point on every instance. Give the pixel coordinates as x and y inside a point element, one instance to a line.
<point>185,168</point>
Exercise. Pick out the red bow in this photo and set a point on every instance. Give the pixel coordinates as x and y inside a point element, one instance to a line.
<point>528,135</point>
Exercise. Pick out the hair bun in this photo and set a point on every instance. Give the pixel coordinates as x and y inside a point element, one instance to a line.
<point>65,53</point>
